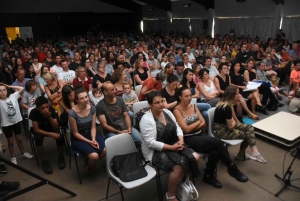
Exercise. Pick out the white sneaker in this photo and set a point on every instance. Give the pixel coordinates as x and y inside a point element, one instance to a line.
<point>258,157</point>
<point>27,155</point>
<point>13,160</point>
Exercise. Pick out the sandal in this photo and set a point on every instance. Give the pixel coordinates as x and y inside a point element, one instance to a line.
<point>170,198</point>
<point>255,117</point>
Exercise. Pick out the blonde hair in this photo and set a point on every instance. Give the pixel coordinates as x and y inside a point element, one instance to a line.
<point>48,75</point>
<point>78,69</point>
<point>227,98</point>
<point>127,83</point>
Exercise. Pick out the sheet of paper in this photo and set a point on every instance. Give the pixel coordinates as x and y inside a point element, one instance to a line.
<point>251,86</point>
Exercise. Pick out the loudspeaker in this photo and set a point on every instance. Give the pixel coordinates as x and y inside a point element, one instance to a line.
<point>205,24</point>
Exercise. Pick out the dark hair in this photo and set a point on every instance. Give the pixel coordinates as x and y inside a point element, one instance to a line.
<point>78,90</point>
<point>179,63</point>
<point>29,84</point>
<point>206,58</point>
<point>66,53</point>
<point>117,75</point>
<point>181,90</point>
<point>172,78</point>
<point>42,70</point>
<point>232,67</point>
<point>297,62</point>
<point>66,90</point>
<point>40,101</point>
<point>152,95</point>
<point>259,63</point>
<point>7,89</point>
<point>220,67</point>
<point>202,71</point>
<point>35,56</point>
<point>160,76</point>
<point>61,61</point>
<point>184,80</point>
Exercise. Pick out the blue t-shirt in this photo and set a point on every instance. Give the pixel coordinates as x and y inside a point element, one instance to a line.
<point>16,83</point>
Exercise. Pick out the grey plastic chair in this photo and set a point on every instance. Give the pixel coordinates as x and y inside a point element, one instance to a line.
<point>211,132</point>
<point>119,145</point>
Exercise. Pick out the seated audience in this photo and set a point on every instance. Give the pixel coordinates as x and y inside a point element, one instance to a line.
<point>41,82</point>
<point>82,78</point>
<point>213,71</point>
<point>226,127</point>
<point>66,76</point>
<point>101,76</point>
<point>113,115</point>
<point>129,97</point>
<point>118,78</point>
<point>151,84</point>
<point>208,92</point>
<point>82,120</point>
<point>196,77</point>
<point>179,70</point>
<point>29,96</point>
<point>169,93</point>
<point>140,73</point>
<point>45,124</point>
<point>163,144</point>
<point>192,123</point>
<point>168,70</point>
<point>295,74</point>
<point>53,91</point>
<point>67,101</point>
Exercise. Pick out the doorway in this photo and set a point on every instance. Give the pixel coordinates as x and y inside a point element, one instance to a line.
<point>12,33</point>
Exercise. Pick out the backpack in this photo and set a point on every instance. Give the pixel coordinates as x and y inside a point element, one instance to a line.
<point>138,117</point>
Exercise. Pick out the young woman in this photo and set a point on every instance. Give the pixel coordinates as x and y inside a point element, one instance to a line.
<point>68,98</point>
<point>168,70</point>
<point>10,118</point>
<point>169,93</point>
<point>163,144</point>
<point>227,128</point>
<point>37,66</point>
<point>119,77</point>
<point>192,123</point>
<point>49,59</point>
<point>53,91</point>
<point>101,76</point>
<point>208,91</point>
<point>82,119</point>
<point>41,82</point>
<point>141,73</point>
<point>196,77</point>
<point>82,78</point>
<point>238,80</point>
<point>225,52</point>
<point>222,81</point>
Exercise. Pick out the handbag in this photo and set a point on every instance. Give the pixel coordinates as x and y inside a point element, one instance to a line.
<point>128,167</point>
<point>186,191</point>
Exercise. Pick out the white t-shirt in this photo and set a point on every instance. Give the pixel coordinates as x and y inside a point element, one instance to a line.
<point>9,110</point>
<point>66,76</point>
<point>191,56</point>
<point>57,69</point>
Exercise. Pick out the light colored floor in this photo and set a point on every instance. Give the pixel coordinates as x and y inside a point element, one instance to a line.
<point>261,187</point>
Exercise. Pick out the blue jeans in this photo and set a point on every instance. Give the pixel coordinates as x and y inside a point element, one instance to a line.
<point>134,134</point>
<point>203,107</point>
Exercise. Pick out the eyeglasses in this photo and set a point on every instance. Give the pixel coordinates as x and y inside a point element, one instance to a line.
<point>3,90</point>
<point>82,71</point>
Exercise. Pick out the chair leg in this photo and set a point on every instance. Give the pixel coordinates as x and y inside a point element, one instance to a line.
<point>70,160</point>
<point>33,148</point>
<point>77,169</point>
<point>121,191</point>
<point>158,188</point>
<point>107,188</point>
<point>159,185</point>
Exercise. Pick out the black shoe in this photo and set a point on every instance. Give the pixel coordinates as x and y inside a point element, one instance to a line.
<point>236,173</point>
<point>61,162</point>
<point>210,179</point>
<point>3,168</point>
<point>263,110</point>
<point>3,193</point>
<point>9,186</point>
<point>46,167</point>
<point>280,104</point>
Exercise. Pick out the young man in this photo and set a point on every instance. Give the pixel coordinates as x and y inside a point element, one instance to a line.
<point>179,70</point>
<point>76,63</point>
<point>66,76</point>
<point>45,123</point>
<point>113,115</point>
<point>57,67</point>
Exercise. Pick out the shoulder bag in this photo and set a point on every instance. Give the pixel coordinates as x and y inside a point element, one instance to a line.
<point>186,191</point>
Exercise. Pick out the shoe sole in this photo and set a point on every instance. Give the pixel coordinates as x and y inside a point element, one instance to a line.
<point>256,159</point>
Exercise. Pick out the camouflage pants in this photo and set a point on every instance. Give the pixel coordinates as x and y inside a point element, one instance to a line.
<point>241,131</point>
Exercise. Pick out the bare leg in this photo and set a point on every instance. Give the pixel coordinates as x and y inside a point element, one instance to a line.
<point>10,143</point>
<point>254,149</point>
<point>18,138</point>
<point>239,109</point>
<point>257,97</point>
<point>245,107</point>
<point>92,159</point>
<point>174,179</point>
<point>41,152</point>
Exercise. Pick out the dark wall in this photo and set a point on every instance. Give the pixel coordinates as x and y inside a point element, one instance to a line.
<point>47,24</point>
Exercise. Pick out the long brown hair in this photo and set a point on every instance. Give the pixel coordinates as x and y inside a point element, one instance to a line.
<point>227,98</point>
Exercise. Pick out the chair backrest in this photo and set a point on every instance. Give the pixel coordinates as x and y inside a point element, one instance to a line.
<point>29,120</point>
<point>154,72</point>
<point>138,89</point>
<point>194,101</point>
<point>211,115</point>
<point>118,145</point>
<point>137,107</point>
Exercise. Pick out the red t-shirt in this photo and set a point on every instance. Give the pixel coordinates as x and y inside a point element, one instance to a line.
<point>42,57</point>
<point>150,84</point>
<point>86,83</point>
<point>295,75</point>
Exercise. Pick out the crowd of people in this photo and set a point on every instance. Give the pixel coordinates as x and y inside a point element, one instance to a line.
<point>90,84</point>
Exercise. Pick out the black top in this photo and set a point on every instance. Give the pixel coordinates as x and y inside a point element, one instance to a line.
<point>237,79</point>
<point>101,79</point>
<point>221,114</point>
<point>252,75</point>
<point>43,122</point>
<point>73,65</point>
<point>223,84</point>
<point>242,57</point>
<point>143,76</point>
<point>168,97</point>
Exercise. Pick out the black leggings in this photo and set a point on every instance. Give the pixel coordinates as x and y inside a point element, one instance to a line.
<point>267,94</point>
<point>40,138</point>
<point>214,147</point>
